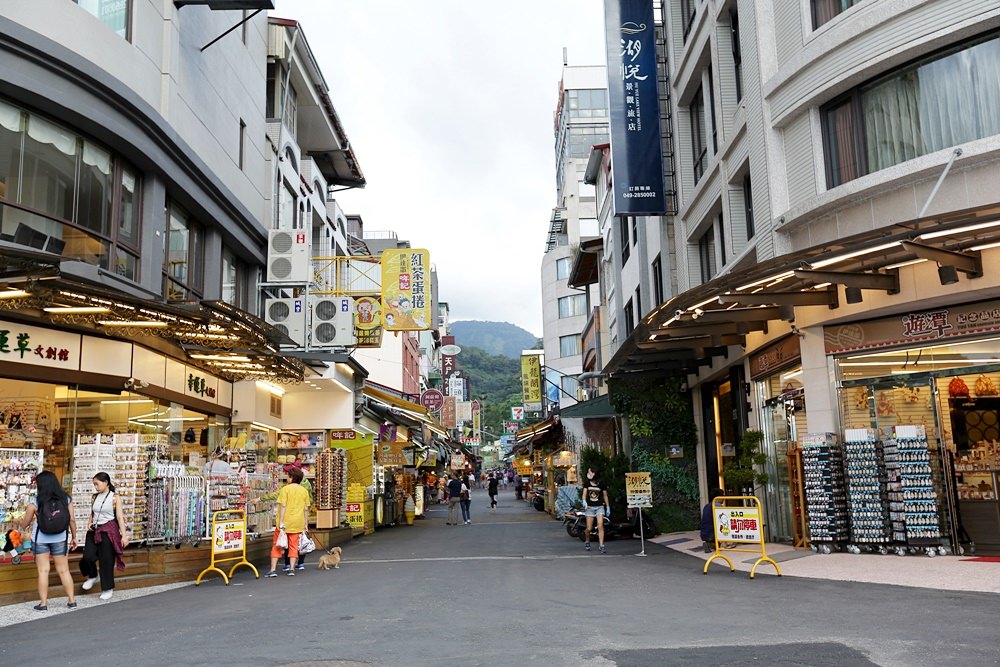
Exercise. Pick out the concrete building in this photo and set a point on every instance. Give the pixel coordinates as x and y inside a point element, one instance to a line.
<point>837,168</point>
<point>580,123</point>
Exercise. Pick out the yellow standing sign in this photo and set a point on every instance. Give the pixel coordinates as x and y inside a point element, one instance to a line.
<point>639,489</point>
<point>739,523</point>
<point>229,544</point>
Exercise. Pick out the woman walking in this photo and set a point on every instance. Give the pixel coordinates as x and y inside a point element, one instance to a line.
<point>107,537</point>
<point>596,506</point>
<point>51,511</point>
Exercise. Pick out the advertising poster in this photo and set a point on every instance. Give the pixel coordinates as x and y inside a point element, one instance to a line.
<point>368,321</point>
<point>639,489</point>
<point>737,524</point>
<point>406,302</point>
<point>531,381</point>
<point>228,536</point>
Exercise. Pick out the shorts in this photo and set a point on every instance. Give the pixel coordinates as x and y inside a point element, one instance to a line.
<point>55,548</point>
<point>594,511</point>
<point>293,545</point>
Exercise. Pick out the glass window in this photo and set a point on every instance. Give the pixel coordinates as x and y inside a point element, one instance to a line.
<point>563,267</point>
<point>112,13</point>
<point>569,346</point>
<point>623,232</point>
<point>287,207</point>
<point>934,104</point>
<point>699,150</point>
<point>95,195</point>
<point>235,280</point>
<point>629,316</point>
<point>706,254</point>
<point>638,303</point>
<point>657,281</point>
<point>569,385</point>
<point>572,306</point>
<point>748,206</point>
<point>128,216</point>
<point>722,241</point>
<point>184,267</point>
<point>589,227</point>
<point>824,10</point>
<point>734,27</point>
<point>711,110</point>
<point>11,145</point>
<point>689,8</point>
<point>49,172</point>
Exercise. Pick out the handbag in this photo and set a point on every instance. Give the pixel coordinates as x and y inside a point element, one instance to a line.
<point>282,541</point>
<point>306,544</point>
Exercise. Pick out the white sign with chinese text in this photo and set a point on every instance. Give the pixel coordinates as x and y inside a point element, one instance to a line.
<point>23,344</point>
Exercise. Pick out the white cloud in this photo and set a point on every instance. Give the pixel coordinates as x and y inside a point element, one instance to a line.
<point>449,106</point>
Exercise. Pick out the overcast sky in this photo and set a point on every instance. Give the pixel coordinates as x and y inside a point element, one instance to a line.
<point>449,104</point>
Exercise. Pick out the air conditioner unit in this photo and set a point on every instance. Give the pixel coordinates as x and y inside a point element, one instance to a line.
<point>288,256</point>
<point>332,323</point>
<point>288,316</point>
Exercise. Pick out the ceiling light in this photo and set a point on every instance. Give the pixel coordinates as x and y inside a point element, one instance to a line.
<point>986,246</point>
<point>959,230</point>
<point>76,309</point>
<point>274,389</point>
<point>13,294</point>
<point>851,255</point>
<point>220,357</point>
<point>133,323</point>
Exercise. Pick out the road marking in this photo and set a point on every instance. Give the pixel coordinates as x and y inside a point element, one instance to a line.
<point>463,558</point>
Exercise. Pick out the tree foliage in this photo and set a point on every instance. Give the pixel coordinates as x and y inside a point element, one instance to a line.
<point>495,381</point>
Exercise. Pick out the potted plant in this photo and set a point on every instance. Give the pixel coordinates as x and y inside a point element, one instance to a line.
<point>741,474</point>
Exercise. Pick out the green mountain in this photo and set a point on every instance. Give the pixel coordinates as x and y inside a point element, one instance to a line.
<point>502,338</point>
<point>496,382</point>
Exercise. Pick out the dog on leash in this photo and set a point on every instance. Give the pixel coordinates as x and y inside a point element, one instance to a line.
<point>330,559</point>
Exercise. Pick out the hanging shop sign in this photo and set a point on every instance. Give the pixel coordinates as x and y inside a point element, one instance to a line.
<point>774,357</point>
<point>477,418</point>
<point>391,453</point>
<point>368,321</point>
<point>639,489</point>
<point>971,319</point>
<point>23,344</point>
<point>432,399</point>
<point>458,461</point>
<point>456,387</point>
<point>517,414</point>
<point>464,411</point>
<point>406,298</point>
<point>449,412</point>
<point>636,155</point>
<point>531,381</point>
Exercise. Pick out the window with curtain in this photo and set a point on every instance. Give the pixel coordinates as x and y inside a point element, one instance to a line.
<point>572,306</point>
<point>563,267</point>
<point>235,279</point>
<point>942,101</point>
<point>706,254</point>
<point>734,28</point>
<point>569,346</point>
<point>699,149</point>
<point>116,14</point>
<point>184,262</point>
<point>824,10</point>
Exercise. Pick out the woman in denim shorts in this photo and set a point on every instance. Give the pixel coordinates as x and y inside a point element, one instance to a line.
<point>51,546</point>
<point>595,504</point>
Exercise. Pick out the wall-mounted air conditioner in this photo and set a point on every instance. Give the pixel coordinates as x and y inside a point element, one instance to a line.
<point>332,323</point>
<point>288,316</point>
<point>288,256</point>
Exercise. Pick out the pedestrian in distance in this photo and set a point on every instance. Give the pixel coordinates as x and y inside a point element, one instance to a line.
<point>455,487</point>
<point>54,536</point>
<point>107,537</point>
<point>466,502</point>
<point>708,522</point>
<point>518,488</point>
<point>293,520</point>
<point>493,489</point>
<point>596,507</point>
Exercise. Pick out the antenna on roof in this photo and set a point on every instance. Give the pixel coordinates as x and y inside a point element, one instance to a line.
<point>565,56</point>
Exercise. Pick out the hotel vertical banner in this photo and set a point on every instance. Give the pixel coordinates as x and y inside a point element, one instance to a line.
<point>531,381</point>
<point>406,299</point>
<point>636,157</point>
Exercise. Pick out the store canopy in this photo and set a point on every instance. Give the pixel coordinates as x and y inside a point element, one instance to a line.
<point>687,331</point>
<point>595,407</point>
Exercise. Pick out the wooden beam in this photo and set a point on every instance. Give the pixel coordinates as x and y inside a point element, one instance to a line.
<point>827,297</point>
<point>739,315</point>
<point>969,264</point>
<point>860,279</point>
<point>708,329</point>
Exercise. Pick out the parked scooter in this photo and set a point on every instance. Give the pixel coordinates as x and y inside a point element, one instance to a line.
<point>571,522</point>
<point>538,500</point>
<point>615,530</point>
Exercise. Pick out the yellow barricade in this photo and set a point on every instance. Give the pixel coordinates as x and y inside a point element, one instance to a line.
<point>739,522</point>
<point>229,543</point>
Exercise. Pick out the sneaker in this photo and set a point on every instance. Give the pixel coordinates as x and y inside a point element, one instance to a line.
<point>71,605</point>
<point>41,607</point>
<point>272,573</point>
<point>106,595</point>
<point>290,573</point>
<point>468,521</point>
<point>300,566</point>
<point>89,583</point>
<point>286,568</point>
<point>604,549</point>
<point>586,545</point>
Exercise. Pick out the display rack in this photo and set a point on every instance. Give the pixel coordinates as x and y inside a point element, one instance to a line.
<point>258,487</point>
<point>823,483</point>
<point>867,499</point>
<point>913,502</point>
<point>132,454</point>
<point>331,479</point>
<point>175,504</point>
<point>93,453</point>
<point>306,447</point>
<point>18,468</point>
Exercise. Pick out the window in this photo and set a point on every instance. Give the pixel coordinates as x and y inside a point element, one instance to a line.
<point>623,231</point>
<point>235,280</point>
<point>748,206</point>
<point>939,102</point>
<point>722,241</point>
<point>184,262</point>
<point>711,110</point>
<point>563,267</point>
<point>629,318</point>
<point>734,28</point>
<point>572,306</point>
<point>699,150</point>
<point>689,8</point>
<point>638,303</point>
<point>243,144</point>
<point>635,229</point>
<point>287,207</point>
<point>569,386</point>
<point>706,254</point>
<point>569,346</point>
<point>657,281</point>
<point>275,406</point>
<point>112,13</point>
<point>587,190</point>
<point>587,103</point>
<point>824,10</point>
<point>589,227</point>
<point>84,199</point>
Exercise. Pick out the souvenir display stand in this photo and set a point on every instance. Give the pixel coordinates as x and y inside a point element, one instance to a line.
<point>867,499</point>
<point>913,502</point>
<point>18,468</point>
<point>823,483</point>
<point>175,503</point>
<point>92,454</point>
<point>330,487</point>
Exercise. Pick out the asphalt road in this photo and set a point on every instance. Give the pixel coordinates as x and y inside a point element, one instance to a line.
<point>513,589</point>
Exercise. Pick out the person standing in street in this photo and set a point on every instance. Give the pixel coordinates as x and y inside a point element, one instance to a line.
<point>455,487</point>
<point>107,537</point>
<point>308,487</point>
<point>493,488</point>
<point>596,505</point>
<point>293,520</point>
<point>51,511</point>
<point>466,502</point>
<point>518,488</point>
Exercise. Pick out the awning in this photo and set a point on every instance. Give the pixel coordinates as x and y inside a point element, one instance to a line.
<point>586,264</point>
<point>595,407</point>
<point>687,331</point>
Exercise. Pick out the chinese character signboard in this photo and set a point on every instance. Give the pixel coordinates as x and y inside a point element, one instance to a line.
<point>639,489</point>
<point>406,302</point>
<point>432,399</point>
<point>449,412</point>
<point>22,344</point>
<point>531,381</point>
<point>228,536</point>
<point>464,411</point>
<point>368,321</point>
<point>636,156</point>
<point>737,524</point>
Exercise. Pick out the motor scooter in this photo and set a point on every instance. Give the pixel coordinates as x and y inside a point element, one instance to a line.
<point>615,530</point>
<point>538,500</point>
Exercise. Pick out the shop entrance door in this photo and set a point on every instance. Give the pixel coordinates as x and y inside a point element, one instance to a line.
<point>780,431</point>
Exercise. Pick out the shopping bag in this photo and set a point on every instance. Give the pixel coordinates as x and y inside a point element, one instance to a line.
<point>282,541</point>
<point>306,545</point>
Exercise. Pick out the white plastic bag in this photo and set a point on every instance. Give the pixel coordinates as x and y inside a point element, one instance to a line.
<point>306,545</point>
<point>282,541</point>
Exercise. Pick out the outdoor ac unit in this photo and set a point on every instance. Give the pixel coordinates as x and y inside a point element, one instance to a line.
<point>332,323</point>
<point>288,256</point>
<point>288,316</point>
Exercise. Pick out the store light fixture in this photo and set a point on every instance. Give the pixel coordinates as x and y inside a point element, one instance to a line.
<point>221,357</point>
<point>266,427</point>
<point>947,274</point>
<point>986,246</point>
<point>155,324</point>
<point>764,281</point>
<point>852,255</point>
<point>13,294</point>
<point>959,230</point>
<point>853,295</point>
<point>76,310</point>
<point>124,401</point>
<point>910,262</point>
<point>273,388</point>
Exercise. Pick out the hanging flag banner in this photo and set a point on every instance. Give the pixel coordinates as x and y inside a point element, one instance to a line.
<point>477,418</point>
<point>531,381</point>
<point>406,302</point>
<point>636,155</point>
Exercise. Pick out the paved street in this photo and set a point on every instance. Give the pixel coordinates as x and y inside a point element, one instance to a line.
<point>513,589</point>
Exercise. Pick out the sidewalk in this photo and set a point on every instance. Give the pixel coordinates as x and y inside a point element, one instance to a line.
<point>950,573</point>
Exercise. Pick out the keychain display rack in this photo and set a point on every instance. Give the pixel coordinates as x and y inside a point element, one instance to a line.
<point>913,503</point>
<point>93,453</point>
<point>132,454</point>
<point>825,498</point>
<point>259,486</point>
<point>18,468</point>
<point>867,497</point>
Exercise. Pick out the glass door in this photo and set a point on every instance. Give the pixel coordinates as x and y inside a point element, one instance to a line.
<point>781,418</point>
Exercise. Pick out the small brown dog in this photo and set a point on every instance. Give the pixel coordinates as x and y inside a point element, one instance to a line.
<point>330,559</point>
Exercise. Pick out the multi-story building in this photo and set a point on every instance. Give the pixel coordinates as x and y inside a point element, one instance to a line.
<point>580,123</point>
<point>837,171</point>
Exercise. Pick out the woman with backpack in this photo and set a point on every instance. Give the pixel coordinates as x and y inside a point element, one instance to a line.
<point>107,537</point>
<point>54,536</point>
